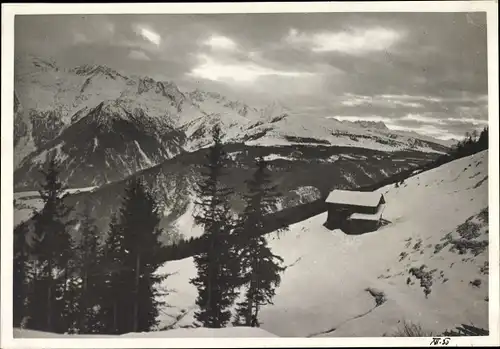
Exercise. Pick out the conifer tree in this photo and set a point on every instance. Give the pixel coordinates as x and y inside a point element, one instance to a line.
<point>217,267</point>
<point>20,274</point>
<point>110,261</point>
<point>260,268</point>
<point>52,248</point>
<point>88,256</point>
<point>68,294</point>
<point>483,139</point>
<point>133,253</point>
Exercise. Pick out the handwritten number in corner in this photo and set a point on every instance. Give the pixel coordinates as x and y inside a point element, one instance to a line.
<point>440,341</point>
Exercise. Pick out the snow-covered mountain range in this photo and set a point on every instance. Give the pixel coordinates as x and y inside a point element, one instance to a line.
<point>103,125</point>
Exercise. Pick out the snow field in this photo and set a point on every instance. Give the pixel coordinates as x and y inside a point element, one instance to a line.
<point>324,288</point>
<point>237,332</point>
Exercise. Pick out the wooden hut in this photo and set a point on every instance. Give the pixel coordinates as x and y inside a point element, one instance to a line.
<point>354,211</point>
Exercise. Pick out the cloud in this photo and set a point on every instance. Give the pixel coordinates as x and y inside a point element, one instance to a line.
<point>110,27</point>
<point>431,120</point>
<point>412,98</point>
<point>98,30</point>
<point>80,38</point>
<point>382,101</point>
<point>362,118</point>
<point>148,34</point>
<point>241,72</point>
<point>475,122</point>
<point>221,42</point>
<point>138,55</point>
<point>462,98</point>
<point>356,41</point>
<point>426,130</point>
<point>424,119</point>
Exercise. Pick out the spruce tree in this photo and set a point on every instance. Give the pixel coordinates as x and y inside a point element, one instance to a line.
<point>68,294</point>
<point>260,268</point>
<point>87,263</point>
<point>52,248</point>
<point>216,263</point>
<point>110,261</point>
<point>133,253</point>
<point>483,139</point>
<point>20,274</point>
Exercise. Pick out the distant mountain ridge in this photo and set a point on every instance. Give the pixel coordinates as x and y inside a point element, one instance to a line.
<point>107,144</point>
<point>372,124</point>
<point>108,125</point>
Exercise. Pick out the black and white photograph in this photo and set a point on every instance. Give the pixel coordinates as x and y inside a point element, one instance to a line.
<point>313,175</point>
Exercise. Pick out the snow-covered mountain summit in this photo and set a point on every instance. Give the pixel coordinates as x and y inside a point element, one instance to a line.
<point>50,102</point>
<point>372,124</point>
<point>289,128</point>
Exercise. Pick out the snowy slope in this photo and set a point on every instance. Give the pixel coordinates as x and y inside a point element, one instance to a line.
<point>364,285</point>
<point>239,332</point>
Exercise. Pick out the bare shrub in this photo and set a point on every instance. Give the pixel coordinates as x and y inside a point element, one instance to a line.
<point>463,246</point>
<point>439,247</point>
<point>409,329</point>
<point>485,268</point>
<point>469,230</point>
<point>378,295</point>
<point>417,245</point>
<point>476,283</point>
<point>483,215</point>
<point>467,330</point>
<point>425,277</point>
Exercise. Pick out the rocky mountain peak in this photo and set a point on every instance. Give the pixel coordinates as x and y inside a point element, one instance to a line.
<point>30,63</point>
<point>379,125</point>
<point>106,112</point>
<point>95,70</point>
<point>274,109</point>
<point>167,89</point>
<point>145,84</point>
<point>196,95</point>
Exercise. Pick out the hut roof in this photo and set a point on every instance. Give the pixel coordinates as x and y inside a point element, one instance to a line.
<point>356,198</point>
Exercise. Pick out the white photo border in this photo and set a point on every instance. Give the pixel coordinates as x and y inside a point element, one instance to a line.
<point>8,13</point>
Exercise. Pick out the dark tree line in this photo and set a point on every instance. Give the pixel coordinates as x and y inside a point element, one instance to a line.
<point>234,259</point>
<point>86,285</point>
<point>472,143</point>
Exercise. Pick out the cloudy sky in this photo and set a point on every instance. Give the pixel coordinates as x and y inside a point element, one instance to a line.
<point>425,72</point>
